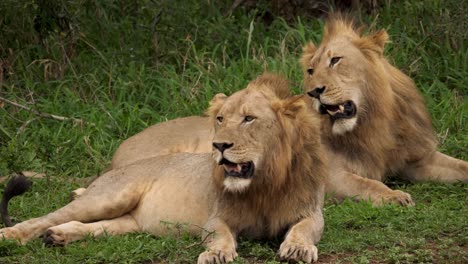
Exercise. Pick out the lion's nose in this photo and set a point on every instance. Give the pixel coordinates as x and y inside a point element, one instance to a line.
<point>222,146</point>
<point>316,92</point>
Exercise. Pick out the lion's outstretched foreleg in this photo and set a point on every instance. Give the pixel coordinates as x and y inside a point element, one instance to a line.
<point>349,185</point>
<point>438,167</point>
<point>220,241</point>
<point>299,244</point>
<point>65,233</point>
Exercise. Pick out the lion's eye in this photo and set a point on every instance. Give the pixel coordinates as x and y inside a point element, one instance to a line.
<point>248,119</point>
<point>310,71</point>
<point>220,119</point>
<point>334,61</point>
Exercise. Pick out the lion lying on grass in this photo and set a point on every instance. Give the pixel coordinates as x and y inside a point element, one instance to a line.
<point>375,121</point>
<point>268,177</point>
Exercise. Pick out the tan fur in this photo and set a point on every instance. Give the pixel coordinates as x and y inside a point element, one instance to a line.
<point>291,132</point>
<point>285,192</point>
<point>191,134</point>
<point>174,136</point>
<point>392,135</point>
<point>392,132</point>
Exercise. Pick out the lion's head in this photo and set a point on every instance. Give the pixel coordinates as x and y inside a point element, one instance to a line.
<point>374,116</point>
<point>343,74</point>
<point>257,131</point>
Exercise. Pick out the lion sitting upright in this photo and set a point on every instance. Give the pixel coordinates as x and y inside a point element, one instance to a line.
<point>374,119</point>
<point>265,176</point>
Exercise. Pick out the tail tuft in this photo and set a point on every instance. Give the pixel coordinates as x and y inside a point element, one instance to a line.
<point>18,185</point>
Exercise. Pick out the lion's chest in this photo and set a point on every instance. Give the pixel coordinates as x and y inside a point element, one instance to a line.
<point>272,221</point>
<point>357,162</point>
<point>263,228</point>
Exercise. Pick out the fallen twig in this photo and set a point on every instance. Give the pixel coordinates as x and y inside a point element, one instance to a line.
<point>201,242</point>
<point>42,114</point>
<point>25,124</point>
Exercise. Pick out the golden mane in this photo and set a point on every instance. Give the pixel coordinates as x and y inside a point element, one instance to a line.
<point>269,82</point>
<point>271,85</point>
<point>392,93</point>
<point>392,113</point>
<point>294,168</point>
<point>338,24</point>
<point>270,168</point>
<point>374,118</point>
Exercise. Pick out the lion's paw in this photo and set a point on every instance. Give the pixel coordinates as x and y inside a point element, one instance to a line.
<point>298,252</point>
<point>217,256</point>
<point>54,237</point>
<point>12,233</point>
<point>395,197</point>
<point>65,233</point>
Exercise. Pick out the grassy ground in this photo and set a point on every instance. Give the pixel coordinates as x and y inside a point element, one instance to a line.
<point>119,73</point>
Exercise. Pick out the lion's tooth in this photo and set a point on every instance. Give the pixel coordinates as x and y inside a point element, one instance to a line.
<point>330,112</point>
<point>238,167</point>
<point>341,108</point>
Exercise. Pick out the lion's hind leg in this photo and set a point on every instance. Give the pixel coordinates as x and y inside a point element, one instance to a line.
<point>102,200</point>
<point>72,231</point>
<point>438,167</point>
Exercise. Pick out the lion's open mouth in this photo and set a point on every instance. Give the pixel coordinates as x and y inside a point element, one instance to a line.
<point>240,170</point>
<point>344,110</point>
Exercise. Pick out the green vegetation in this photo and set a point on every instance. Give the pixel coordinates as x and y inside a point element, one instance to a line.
<point>121,69</point>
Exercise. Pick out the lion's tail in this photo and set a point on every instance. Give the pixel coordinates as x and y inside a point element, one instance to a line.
<point>18,185</point>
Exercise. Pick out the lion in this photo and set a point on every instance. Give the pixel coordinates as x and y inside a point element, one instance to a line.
<point>375,123</point>
<point>374,120</point>
<point>267,162</point>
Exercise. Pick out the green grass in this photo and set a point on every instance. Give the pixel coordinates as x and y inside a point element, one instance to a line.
<point>121,78</point>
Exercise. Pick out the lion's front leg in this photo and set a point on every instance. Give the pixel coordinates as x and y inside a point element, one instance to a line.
<point>299,244</point>
<point>220,241</point>
<point>438,167</point>
<point>349,185</point>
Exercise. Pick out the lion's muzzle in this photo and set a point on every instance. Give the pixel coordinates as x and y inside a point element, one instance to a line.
<point>338,111</point>
<point>243,170</point>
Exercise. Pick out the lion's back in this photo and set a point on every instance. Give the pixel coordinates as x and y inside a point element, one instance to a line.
<point>187,134</point>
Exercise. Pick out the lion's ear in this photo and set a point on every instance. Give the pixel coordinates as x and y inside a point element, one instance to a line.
<point>215,104</point>
<point>380,38</point>
<point>374,42</point>
<point>291,106</point>
<point>218,99</point>
<point>307,53</point>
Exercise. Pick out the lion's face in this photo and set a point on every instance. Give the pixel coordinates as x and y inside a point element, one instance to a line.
<point>334,81</point>
<point>245,130</point>
<point>337,73</point>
